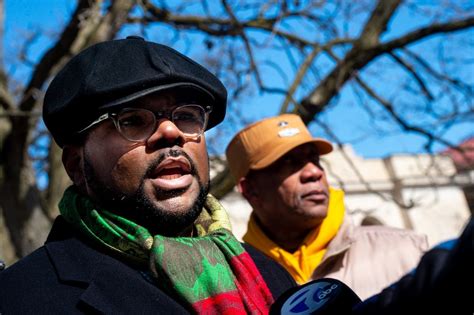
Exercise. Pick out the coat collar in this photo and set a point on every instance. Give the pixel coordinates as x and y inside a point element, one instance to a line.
<point>343,239</point>
<point>110,286</point>
<point>339,245</point>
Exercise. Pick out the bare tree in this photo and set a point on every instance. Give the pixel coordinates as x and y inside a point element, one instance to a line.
<point>26,209</point>
<point>306,52</point>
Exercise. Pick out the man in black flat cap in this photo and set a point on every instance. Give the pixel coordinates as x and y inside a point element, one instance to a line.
<point>138,231</point>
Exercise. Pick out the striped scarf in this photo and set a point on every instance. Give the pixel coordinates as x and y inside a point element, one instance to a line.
<point>211,273</point>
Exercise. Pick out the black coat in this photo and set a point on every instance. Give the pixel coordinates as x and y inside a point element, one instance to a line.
<point>69,276</point>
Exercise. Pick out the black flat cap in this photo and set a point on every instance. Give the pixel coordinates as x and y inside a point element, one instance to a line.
<point>114,72</point>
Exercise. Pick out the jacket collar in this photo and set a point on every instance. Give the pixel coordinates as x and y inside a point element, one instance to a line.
<point>110,286</point>
<point>343,239</point>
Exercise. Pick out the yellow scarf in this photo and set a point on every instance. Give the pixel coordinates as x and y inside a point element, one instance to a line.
<point>308,256</point>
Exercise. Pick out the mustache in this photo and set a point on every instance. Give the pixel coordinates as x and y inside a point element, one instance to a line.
<point>171,153</point>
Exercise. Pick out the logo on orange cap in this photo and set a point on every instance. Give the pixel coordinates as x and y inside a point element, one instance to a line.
<point>289,132</point>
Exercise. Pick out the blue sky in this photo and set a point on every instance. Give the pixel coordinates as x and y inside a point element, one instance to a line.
<point>347,120</point>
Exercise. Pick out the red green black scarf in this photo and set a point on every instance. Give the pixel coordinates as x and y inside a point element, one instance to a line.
<point>211,273</point>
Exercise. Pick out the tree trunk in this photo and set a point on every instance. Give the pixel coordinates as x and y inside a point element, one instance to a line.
<point>20,199</point>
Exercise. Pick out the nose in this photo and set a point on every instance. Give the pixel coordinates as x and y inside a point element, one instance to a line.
<point>311,172</point>
<point>166,134</point>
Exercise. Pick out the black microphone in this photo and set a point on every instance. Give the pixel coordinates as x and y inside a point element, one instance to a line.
<point>321,297</point>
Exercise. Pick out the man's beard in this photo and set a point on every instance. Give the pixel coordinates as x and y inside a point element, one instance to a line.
<point>140,209</point>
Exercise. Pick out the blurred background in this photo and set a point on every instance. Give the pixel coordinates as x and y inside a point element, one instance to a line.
<point>389,82</point>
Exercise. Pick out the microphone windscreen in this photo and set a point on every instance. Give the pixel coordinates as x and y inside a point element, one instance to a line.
<point>321,297</point>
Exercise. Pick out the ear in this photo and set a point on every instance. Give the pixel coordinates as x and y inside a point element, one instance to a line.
<point>72,161</point>
<point>246,188</point>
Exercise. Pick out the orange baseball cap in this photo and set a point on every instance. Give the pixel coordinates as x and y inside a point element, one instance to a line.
<point>262,143</point>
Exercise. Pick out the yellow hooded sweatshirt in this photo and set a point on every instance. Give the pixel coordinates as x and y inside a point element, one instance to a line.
<point>301,263</point>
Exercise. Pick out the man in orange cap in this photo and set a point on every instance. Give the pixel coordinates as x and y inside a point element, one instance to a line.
<point>299,220</point>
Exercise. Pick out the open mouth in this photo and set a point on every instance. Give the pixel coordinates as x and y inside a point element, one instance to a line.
<point>172,168</point>
<point>173,173</point>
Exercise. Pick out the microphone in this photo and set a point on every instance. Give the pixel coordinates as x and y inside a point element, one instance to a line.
<point>320,297</point>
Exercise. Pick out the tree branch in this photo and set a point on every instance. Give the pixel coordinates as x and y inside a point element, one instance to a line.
<point>303,69</point>
<point>433,29</point>
<point>47,64</point>
<point>405,126</point>
<point>415,75</point>
<point>361,55</point>
<point>377,23</point>
<point>6,99</point>
<point>248,48</point>
<point>439,76</point>
<point>216,26</point>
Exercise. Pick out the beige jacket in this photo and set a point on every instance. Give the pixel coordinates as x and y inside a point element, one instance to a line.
<point>370,258</point>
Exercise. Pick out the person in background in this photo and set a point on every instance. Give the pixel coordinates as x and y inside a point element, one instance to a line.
<point>138,232</point>
<point>299,220</point>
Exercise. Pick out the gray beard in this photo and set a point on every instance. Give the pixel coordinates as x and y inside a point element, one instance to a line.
<point>139,208</point>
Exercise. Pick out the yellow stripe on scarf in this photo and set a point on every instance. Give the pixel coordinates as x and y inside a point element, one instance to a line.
<point>301,263</point>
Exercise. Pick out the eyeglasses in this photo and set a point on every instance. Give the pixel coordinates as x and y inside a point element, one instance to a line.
<point>138,124</point>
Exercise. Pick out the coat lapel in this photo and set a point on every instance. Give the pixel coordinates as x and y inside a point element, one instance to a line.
<point>110,286</point>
